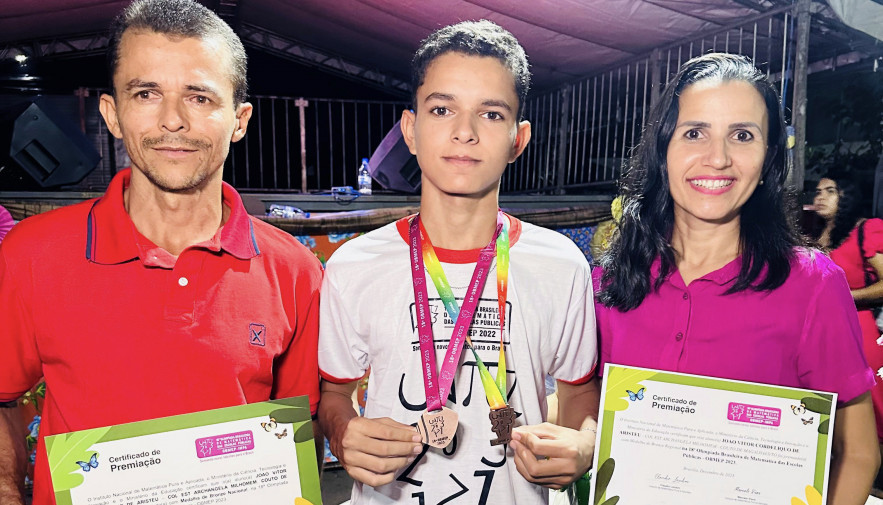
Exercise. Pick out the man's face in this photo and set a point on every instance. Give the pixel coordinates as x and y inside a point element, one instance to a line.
<point>174,108</point>
<point>465,129</point>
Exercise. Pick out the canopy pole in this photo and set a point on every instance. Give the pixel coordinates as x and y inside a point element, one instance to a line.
<point>798,104</point>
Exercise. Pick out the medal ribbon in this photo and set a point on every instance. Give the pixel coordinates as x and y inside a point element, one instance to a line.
<point>437,390</point>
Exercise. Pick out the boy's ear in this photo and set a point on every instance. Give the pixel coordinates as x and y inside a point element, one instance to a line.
<point>522,137</point>
<point>407,125</point>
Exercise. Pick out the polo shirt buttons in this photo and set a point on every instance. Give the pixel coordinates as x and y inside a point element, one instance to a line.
<point>686,296</point>
<point>679,336</point>
<point>182,281</point>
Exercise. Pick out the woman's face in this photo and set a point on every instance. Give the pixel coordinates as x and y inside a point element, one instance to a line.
<point>827,198</point>
<point>716,154</point>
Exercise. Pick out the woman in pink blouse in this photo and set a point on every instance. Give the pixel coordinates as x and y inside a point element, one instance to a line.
<point>705,275</point>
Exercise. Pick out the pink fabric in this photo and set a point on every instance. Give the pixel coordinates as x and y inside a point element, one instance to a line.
<point>847,257</point>
<point>6,222</point>
<point>803,334</point>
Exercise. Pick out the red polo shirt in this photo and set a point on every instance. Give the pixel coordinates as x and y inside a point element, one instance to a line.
<point>122,331</point>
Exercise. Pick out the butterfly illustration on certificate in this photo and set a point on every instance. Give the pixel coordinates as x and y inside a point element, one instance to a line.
<point>89,465</point>
<point>799,410</point>
<point>270,427</point>
<point>633,396</point>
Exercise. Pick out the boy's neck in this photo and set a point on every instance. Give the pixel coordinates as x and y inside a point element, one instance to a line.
<point>459,223</point>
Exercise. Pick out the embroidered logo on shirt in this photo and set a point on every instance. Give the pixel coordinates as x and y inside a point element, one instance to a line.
<point>257,334</point>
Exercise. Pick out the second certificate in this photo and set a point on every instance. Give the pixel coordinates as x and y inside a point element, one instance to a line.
<point>669,438</point>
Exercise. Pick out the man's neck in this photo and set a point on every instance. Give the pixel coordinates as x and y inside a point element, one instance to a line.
<point>175,221</point>
<point>459,223</point>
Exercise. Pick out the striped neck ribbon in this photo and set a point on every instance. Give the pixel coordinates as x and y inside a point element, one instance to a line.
<point>423,255</point>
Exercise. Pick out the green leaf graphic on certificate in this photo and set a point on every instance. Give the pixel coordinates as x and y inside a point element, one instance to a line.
<point>612,501</point>
<point>289,415</point>
<point>816,404</point>
<point>605,473</point>
<point>821,406</point>
<point>64,452</point>
<point>304,433</point>
<point>620,381</point>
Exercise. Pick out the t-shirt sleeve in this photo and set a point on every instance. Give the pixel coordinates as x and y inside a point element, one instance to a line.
<point>873,231</point>
<point>20,365</point>
<point>602,321</point>
<point>577,354</point>
<point>343,350</point>
<point>831,356</point>
<point>296,371</point>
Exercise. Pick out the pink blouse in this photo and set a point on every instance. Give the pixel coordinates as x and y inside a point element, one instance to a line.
<point>804,333</point>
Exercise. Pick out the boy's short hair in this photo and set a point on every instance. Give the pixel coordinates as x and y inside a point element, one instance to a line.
<point>474,38</point>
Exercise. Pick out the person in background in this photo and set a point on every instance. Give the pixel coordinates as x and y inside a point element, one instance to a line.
<point>704,238</point>
<point>470,82</point>
<point>6,222</point>
<point>856,245</point>
<point>164,296</point>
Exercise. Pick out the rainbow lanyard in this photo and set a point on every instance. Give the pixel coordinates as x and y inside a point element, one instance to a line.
<point>422,253</point>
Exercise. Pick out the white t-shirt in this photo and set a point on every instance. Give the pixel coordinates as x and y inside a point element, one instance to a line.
<point>368,319</point>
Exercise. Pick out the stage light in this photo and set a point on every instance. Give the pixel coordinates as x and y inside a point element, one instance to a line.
<point>21,58</point>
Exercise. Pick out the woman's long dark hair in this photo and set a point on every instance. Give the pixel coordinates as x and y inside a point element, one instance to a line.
<point>767,235</point>
<point>849,209</point>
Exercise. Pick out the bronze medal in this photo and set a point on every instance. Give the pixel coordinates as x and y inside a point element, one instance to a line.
<point>501,422</point>
<point>438,428</point>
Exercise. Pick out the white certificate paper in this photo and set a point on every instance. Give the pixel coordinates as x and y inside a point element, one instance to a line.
<point>257,453</point>
<point>670,438</point>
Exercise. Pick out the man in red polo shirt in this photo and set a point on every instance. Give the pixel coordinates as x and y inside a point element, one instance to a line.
<point>164,296</point>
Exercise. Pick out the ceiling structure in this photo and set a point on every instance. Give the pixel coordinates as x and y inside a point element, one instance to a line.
<point>371,41</point>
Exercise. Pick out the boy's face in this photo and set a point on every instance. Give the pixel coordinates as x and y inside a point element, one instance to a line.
<point>465,129</point>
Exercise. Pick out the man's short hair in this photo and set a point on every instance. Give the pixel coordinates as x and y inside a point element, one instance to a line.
<point>180,18</point>
<point>474,38</point>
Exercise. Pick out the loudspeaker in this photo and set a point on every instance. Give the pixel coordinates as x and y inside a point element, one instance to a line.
<point>46,145</point>
<point>393,165</point>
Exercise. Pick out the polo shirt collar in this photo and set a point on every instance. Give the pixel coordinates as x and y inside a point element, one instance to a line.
<point>721,276</point>
<point>111,237</point>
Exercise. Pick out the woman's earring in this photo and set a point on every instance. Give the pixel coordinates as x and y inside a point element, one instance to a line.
<point>761,182</point>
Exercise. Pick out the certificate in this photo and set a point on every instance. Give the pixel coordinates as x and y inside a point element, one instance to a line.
<point>256,453</point>
<point>670,438</point>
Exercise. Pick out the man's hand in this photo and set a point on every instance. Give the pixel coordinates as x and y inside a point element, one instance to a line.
<point>551,455</point>
<point>373,450</point>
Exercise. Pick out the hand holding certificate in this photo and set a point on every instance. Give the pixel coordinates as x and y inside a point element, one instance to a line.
<point>669,438</point>
<point>257,453</point>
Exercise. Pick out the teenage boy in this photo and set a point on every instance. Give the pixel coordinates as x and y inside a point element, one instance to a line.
<point>470,81</point>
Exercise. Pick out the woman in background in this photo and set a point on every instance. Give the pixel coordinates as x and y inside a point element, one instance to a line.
<point>856,245</point>
<point>705,275</point>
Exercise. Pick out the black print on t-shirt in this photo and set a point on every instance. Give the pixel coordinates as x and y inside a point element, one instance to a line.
<point>485,336</point>
<point>452,394</point>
